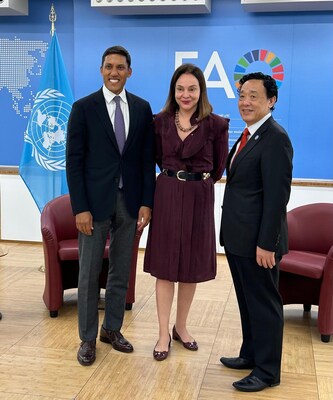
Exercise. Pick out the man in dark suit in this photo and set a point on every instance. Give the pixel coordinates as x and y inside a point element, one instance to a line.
<point>254,230</point>
<point>111,186</point>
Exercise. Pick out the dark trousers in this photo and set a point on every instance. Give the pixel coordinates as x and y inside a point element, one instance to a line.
<point>121,227</point>
<point>261,312</point>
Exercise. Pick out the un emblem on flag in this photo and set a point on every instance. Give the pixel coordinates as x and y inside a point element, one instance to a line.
<point>47,129</point>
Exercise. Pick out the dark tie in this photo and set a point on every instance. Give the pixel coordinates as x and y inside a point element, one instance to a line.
<point>245,136</point>
<point>119,125</point>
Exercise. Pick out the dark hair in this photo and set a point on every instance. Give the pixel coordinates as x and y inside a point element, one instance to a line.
<point>268,82</point>
<point>117,50</point>
<point>204,107</point>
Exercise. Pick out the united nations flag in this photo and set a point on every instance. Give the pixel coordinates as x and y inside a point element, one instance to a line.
<point>43,161</point>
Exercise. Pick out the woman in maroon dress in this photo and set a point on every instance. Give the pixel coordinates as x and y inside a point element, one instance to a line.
<point>191,151</point>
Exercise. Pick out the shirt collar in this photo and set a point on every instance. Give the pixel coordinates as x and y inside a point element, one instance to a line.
<point>253,128</point>
<point>109,96</point>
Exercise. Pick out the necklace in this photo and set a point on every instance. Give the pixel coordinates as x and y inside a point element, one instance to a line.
<point>180,127</point>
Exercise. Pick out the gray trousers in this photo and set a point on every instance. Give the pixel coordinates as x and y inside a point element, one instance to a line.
<point>121,227</point>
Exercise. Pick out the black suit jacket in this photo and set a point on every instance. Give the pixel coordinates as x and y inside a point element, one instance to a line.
<point>257,192</point>
<point>94,163</point>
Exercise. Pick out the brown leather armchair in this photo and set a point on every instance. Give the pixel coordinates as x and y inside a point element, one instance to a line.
<point>60,245</point>
<point>306,272</point>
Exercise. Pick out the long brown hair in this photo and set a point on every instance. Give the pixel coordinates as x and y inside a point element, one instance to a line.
<point>204,107</point>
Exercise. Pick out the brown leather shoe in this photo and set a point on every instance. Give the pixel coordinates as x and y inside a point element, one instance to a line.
<point>87,353</point>
<point>116,339</point>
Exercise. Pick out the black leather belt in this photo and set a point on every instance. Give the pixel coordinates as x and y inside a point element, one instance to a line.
<point>187,176</point>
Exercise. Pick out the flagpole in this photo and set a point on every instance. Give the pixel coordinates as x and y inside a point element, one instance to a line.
<point>52,18</point>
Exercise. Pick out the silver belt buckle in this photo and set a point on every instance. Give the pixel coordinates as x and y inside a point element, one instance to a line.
<point>205,175</point>
<point>178,177</point>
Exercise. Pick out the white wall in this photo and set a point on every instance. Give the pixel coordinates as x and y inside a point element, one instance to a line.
<point>20,217</point>
<point>19,214</point>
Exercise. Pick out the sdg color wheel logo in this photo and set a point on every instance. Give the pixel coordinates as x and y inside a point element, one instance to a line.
<point>244,65</point>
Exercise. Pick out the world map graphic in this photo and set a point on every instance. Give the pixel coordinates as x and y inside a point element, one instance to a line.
<point>21,67</point>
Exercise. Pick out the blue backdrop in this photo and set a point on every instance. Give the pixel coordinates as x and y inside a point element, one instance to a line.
<point>296,48</point>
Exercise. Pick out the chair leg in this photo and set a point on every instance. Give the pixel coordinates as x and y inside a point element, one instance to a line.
<point>325,338</point>
<point>307,307</point>
<point>53,314</point>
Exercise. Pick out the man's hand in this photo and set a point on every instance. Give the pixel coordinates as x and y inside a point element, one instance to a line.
<point>84,222</point>
<point>144,218</point>
<point>265,258</point>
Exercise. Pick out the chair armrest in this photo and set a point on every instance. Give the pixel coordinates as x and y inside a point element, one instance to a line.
<point>50,242</point>
<point>325,314</point>
<point>53,276</point>
<point>130,296</point>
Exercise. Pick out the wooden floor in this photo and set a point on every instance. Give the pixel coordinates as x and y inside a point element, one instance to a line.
<point>38,353</point>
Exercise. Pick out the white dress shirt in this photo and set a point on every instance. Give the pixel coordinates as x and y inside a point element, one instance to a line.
<point>111,106</point>
<point>252,129</point>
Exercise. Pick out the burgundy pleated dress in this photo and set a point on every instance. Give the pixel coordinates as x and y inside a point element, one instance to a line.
<point>181,240</point>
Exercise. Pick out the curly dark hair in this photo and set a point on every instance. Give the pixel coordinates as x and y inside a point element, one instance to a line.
<point>268,82</point>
